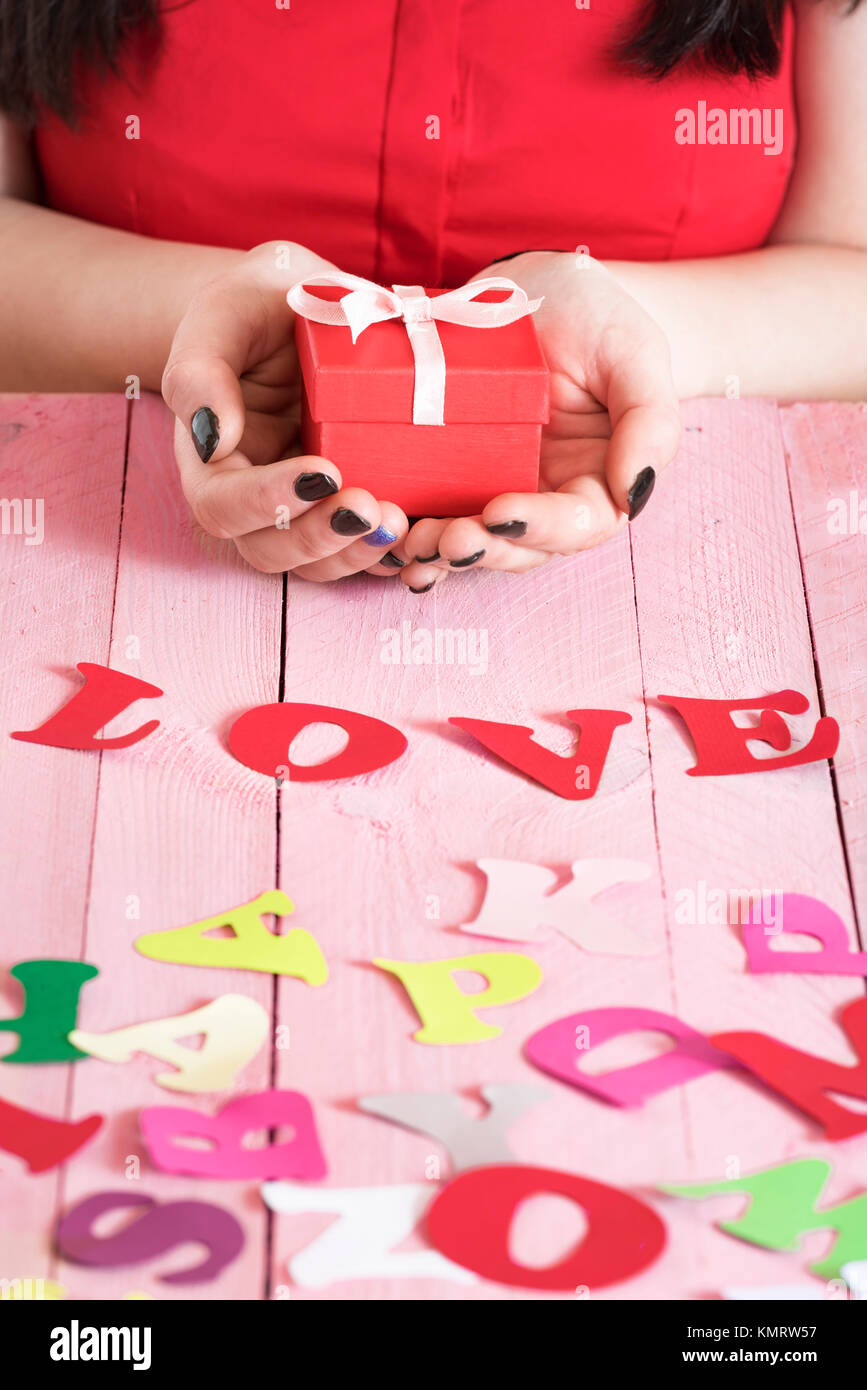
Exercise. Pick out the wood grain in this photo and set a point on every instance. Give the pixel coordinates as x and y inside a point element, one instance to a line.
<point>827,449</point>
<point>729,585</point>
<point>722,614</point>
<point>182,832</point>
<point>368,860</point>
<point>55,610</point>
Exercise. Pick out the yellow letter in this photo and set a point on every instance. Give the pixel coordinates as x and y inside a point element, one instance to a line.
<point>447,1013</point>
<point>253,947</point>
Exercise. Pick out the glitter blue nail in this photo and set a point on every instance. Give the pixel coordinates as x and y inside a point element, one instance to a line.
<point>381,536</point>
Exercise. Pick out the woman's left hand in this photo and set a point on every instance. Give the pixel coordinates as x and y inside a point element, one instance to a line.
<point>614,425</point>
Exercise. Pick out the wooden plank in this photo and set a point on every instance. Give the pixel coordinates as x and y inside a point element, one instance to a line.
<point>55,610</point>
<point>722,614</point>
<point>182,831</point>
<point>383,865</point>
<point>369,860</point>
<point>827,447</point>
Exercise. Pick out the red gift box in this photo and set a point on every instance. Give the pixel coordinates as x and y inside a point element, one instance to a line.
<point>358,405</point>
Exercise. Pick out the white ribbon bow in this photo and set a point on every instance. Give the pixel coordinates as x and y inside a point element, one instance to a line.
<point>368,303</point>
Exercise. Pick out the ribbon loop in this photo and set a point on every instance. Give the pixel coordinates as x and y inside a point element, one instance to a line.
<point>367,303</point>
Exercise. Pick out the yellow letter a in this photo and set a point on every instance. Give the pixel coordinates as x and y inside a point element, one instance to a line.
<point>253,946</point>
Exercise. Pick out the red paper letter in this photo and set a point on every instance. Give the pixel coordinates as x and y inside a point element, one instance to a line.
<point>40,1140</point>
<point>260,739</point>
<point>469,1223</point>
<point>721,746</point>
<point>803,1078</point>
<point>575,778</point>
<point>105,694</point>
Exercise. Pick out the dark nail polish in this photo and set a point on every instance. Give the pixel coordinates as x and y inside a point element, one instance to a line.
<point>381,536</point>
<point>470,560</point>
<point>427,559</point>
<point>638,495</point>
<point>424,588</point>
<point>348,523</point>
<point>392,562</point>
<point>310,487</point>
<point>205,429</point>
<point>511,529</point>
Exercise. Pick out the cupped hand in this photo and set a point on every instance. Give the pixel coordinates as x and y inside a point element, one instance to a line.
<point>233,383</point>
<point>614,426</point>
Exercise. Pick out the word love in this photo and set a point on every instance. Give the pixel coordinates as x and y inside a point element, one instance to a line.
<point>261,737</point>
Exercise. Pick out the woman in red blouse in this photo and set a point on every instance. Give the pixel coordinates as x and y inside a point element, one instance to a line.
<point>147,147</point>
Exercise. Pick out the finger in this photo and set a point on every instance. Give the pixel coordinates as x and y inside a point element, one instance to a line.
<point>232,498</point>
<point>643,407</point>
<point>397,556</point>
<point>516,559</point>
<point>211,349</point>
<point>463,542</point>
<point>420,579</point>
<point>323,530</point>
<point>467,544</point>
<point>579,515</point>
<point>269,435</point>
<point>235,320</point>
<point>393,561</point>
<point>422,543</point>
<point>368,553</point>
<point>424,567</point>
<point>644,442</point>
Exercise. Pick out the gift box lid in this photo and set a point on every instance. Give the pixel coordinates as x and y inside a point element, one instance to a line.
<point>492,374</point>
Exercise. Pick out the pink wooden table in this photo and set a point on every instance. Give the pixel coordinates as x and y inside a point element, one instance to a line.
<point>731,584</point>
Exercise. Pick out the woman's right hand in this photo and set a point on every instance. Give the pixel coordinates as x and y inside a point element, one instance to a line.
<point>232,381</point>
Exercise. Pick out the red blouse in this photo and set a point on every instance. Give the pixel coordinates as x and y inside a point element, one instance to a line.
<point>414,141</point>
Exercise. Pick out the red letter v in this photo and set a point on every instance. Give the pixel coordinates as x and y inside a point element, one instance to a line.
<point>576,777</point>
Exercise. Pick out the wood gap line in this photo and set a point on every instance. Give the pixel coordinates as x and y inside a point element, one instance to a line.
<point>644,697</point>
<point>835,790</point>
<point>686,1119</point>
<point>53,1260</point>
<point>275,979</point>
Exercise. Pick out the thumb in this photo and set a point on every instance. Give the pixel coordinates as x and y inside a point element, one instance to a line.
<point>645,419</point>
<point>231,325</point>
<point>210,352</point>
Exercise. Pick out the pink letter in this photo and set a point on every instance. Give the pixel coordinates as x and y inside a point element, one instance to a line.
<point>557,1049</point>
<point>301,1157</point>
<point>806,917</point>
